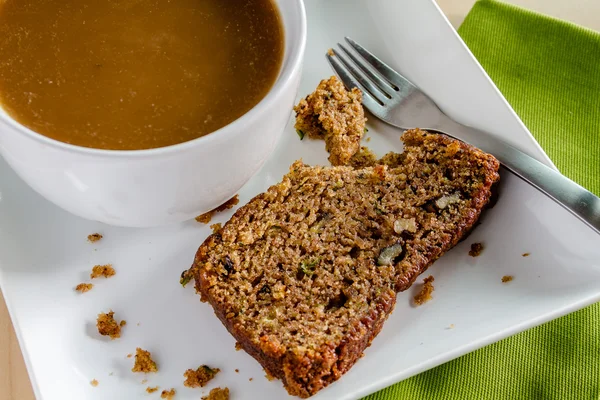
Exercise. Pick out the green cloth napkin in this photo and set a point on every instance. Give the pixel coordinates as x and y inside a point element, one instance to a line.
<point>549,71</point>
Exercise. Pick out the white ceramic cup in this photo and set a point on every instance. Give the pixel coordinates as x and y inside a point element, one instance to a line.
<point>170,184</point>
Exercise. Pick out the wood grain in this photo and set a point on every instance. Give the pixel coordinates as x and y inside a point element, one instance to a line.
<point>14,381</point>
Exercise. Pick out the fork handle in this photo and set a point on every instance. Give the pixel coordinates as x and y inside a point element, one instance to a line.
<point>576,199</point>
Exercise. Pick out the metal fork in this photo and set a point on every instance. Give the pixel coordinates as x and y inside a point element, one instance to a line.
<point>395,100</point>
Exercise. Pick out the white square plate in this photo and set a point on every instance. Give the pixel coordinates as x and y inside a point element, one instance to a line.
<point>44,253</point>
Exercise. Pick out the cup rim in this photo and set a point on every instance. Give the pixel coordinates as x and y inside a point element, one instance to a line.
<point>288,71</point>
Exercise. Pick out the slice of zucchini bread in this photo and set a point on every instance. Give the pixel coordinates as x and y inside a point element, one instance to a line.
<point>305,274</point>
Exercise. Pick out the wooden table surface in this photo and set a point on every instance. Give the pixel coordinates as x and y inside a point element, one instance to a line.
<point>14,382</point>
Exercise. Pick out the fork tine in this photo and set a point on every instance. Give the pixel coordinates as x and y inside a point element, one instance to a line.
<point>392,76</point>
<point>375,91</point>
<point>381,83</point>
<point>369,101</point>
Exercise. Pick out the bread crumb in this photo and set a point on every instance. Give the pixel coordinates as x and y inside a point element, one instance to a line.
<point>107,326</point>
<point>451,326</point>
<point>84,287</point>
<point>94,237</point>
<point>330,52</point>
<point>217,394</point>
<point>168,394</point>
<point>200,377</point>
<point>237,370</point>
<point>215,227</point>
<point>507,278</point>
<point>425,294</point>
<point>122,323</point>
<point>129,355</point>
<point>526,254</point>
<point>186,277</point>
<point>151,389</point>
<point>476,249</point>
<point>206,217</point>
<point>94,383</point>
<point>250,380</point>
<point>105,271</point>
<point>368,139</point>
<point>238,346</point>
<point>143,362</point>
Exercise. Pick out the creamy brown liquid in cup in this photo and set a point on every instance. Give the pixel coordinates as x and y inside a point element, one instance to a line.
<point>135,74</point>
